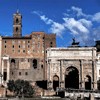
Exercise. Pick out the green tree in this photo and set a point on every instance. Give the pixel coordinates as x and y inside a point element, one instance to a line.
<point>21,88</point>
<point>11,85</point>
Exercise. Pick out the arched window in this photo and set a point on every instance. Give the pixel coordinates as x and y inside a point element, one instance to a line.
<point>16,29</point>
<point>12,62</point>
<point>55,82</point>
<point>17,20</point>
<point>34,63</point>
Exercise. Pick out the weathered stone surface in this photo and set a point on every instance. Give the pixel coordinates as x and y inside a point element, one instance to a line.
<point>81,58</point>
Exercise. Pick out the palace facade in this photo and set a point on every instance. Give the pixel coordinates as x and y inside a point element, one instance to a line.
<point>23,57</point>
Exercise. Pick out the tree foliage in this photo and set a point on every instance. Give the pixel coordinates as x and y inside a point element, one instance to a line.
<point>20,88</point>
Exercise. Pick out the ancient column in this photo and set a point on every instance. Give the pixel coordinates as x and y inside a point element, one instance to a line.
<point>8,70</point>
<point>82,75</point>
<point>94,83</point>
<point>61,74</point>
<point>2,70</point>
<point>49,75</point>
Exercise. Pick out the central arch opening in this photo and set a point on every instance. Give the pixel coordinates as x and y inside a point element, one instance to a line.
<point>55,82</point>
<point>72,78</point>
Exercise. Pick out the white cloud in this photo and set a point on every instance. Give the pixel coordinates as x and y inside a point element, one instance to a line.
<point>57,28</point>
<point>75,26</point>
<point>78,10</point>
<point>36,12</point>
<point>82,28</point>
<point>86,23</point>
<point>96,17</point>
<point>46,20</point>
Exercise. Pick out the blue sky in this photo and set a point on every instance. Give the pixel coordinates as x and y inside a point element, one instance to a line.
<point>65,18</point>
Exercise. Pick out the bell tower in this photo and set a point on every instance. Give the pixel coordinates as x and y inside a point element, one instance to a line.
<point>17,24</point>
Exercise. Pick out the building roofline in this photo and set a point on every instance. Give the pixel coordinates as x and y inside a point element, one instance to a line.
<point>24,37</point>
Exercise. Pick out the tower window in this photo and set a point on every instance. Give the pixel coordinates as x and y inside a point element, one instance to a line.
<point>51,44</point>
<point>17,20</point>
<point>5,46</point>
<point>16,29</point>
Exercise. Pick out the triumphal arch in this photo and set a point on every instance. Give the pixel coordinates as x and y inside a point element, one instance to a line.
<point>72,67</point>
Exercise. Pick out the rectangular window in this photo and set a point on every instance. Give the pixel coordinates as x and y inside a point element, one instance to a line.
<point>26,73</point>
<point>19,73</point>
<point>99,72</point>
<point>23,51</point>
<point>5,76</point>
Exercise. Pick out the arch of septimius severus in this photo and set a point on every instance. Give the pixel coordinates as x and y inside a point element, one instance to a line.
<point>72,67</point>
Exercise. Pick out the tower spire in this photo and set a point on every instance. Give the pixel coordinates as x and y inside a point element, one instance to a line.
<point>17,10</point>
<point>17,7</point>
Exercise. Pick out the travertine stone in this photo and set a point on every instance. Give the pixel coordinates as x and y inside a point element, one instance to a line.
<point>82,58</point>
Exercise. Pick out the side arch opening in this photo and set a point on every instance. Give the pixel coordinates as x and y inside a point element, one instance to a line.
<point>88,82</point>
<point>55,82</point>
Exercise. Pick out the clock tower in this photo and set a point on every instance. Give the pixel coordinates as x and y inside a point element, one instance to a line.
<point>17,24</point>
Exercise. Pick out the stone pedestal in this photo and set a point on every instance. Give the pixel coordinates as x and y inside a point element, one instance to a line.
<point>91,97</point>
<point>62,84</point>
<point>50,85</point>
